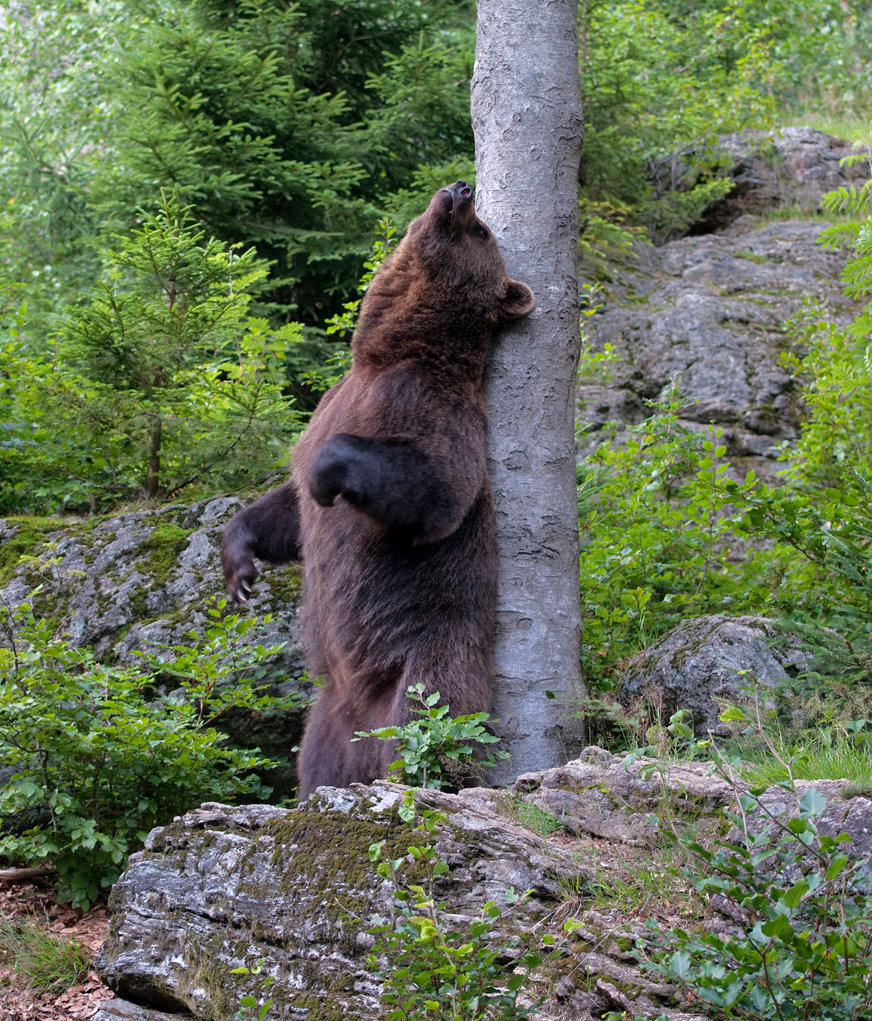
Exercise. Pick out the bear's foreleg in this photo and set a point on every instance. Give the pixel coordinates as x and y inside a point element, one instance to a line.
<point>268,529</point>
<point>393,482</point>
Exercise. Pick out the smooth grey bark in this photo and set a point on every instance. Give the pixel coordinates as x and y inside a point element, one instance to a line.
<point>526,115</point>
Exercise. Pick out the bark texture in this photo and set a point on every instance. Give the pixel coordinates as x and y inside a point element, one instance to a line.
<point>526,115</point>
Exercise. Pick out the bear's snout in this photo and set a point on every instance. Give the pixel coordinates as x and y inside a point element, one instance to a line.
<point>461,190</point>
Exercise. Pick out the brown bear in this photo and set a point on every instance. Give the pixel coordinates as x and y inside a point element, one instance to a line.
<point>389,502</point>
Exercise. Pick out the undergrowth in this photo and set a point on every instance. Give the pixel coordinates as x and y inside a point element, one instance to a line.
<point>46,960</point>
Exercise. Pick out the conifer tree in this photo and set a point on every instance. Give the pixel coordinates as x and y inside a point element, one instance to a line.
<point>161,379</point>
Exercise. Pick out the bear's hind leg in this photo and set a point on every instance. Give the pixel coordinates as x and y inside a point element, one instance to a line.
<point>329,757</point>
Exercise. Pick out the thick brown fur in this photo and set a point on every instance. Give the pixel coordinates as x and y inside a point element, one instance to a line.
<point>389,502</point>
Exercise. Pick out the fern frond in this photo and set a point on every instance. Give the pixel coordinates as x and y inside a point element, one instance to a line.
<point>849,199</point>
<point>838,236</point>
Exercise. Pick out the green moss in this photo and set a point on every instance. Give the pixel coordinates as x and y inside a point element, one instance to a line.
<point>309,833</point>
<point>285,583</point>
<point>162,550</point>
<point>752,257</point>
<point>29,539</point>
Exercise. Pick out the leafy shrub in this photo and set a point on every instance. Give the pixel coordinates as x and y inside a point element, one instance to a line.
<point>653,113</point>
<point>659,539</point>
<point>99,759</point>
<point>436,749</point>
<point>252,1007</point>
<point>805,950</point>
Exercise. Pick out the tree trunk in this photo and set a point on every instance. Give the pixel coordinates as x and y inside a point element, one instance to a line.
<point>152,482</point>
<point>526,115</point>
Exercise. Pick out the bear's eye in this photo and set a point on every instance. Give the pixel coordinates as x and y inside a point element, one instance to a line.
<point>482,231</point>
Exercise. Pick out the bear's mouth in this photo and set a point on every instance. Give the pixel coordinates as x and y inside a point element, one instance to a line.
<point>460,193</point>
<point>460,196</point>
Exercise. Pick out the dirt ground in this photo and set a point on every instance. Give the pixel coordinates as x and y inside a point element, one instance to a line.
<point>18,900</point>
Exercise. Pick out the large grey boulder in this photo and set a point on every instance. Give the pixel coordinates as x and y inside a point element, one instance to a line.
<point>793,166</point>
<point>706,662</point>
<point>294,889</point>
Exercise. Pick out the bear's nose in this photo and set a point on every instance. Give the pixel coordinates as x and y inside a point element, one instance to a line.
<point>462,190</point>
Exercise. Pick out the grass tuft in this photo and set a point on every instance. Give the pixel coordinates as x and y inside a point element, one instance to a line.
<point>45,959</point>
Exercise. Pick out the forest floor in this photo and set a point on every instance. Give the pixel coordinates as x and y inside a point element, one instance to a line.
<point>28,900</point>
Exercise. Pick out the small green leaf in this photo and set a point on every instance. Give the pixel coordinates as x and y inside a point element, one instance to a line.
<point>812,803</point>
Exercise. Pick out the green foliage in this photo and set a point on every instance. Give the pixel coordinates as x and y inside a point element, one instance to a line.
<point>45,959</point>
<point>100,759</point>
<point>666,493</point>
<point>659,84</point>
<point>215,114</point>
<point>832,37</point>
<point>436,749</point>
<point>344,322</point>
<point>285,126</point>
<point>805,948</point>
<point>429,968</point>
<point>161,377</point>
<point>838,362</point>
<point>56,122</point>
<point>386,239</point>
<point>675,740</point>
<point>291,127</point>
<point>695,541</point>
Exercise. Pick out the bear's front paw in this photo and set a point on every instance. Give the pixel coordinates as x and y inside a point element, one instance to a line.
<point>237,560</point>
<point>334,472</point>
<point>239,577</point>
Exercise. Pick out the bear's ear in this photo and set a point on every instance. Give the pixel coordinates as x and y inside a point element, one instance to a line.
<point>518,300</point>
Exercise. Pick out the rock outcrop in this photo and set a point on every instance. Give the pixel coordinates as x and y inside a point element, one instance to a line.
<point>713,311</point>
<point>143,580</point>
<point>713,314</point>
<point>786,168</point>
<point>137,580</point>
<point>294,891</point>
<point>707,662</point>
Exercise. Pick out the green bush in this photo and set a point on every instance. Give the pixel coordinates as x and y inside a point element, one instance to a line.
<point>659,539</point>
<point>437,750</point>
<point>99,759</point>
<point>162,379</point>
<point>804,952</point>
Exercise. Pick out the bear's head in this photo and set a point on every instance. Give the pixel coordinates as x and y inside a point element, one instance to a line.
<point>459,261</point>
